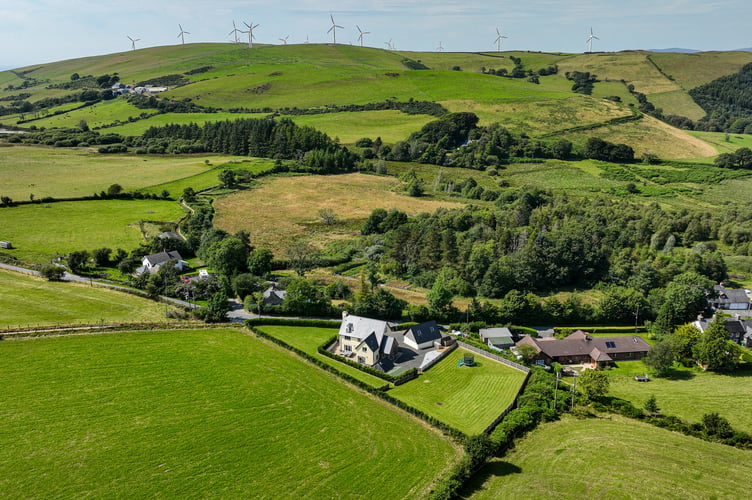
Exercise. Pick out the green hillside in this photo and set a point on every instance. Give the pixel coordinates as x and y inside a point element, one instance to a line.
<point>229,77</point>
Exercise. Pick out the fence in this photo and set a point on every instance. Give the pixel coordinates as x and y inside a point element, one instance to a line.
<point>516,366</point>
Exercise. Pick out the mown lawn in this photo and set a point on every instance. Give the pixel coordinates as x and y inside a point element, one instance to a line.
<point>467,398</point>
<point>41,231</point>
<point>689,394</point>
<point>308,340</point>
<point>205,413</point>
<point>30,301</point>
<point>613,457</point>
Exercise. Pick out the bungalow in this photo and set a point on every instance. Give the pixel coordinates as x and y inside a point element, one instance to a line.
<point>580,347</point>
<point>497,338</point>
<point>730,298</point>
<point>368,340</point>
<point>152,263</point>
<point>423,336</point>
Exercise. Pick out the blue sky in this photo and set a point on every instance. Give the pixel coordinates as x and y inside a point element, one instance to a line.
<point>38,31</point>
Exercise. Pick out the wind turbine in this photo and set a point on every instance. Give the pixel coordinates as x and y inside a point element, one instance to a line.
<point>333,29</point>
<point>440,48</point>
<point>499,38</point>
<point>590,40</point>
<point>389,44</point>
<point>133,41</point>
<point>360,37</point>
<point>284,40</point>
<point>235,31</point>
<point>250,27</point>
<point>182,34</point>
<point>306,39</point>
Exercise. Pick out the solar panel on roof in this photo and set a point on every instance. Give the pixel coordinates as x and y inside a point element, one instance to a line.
<point>610,345</point>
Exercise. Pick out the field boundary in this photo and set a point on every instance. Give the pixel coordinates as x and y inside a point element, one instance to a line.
<point>512,406</point>
<point>516,366</point>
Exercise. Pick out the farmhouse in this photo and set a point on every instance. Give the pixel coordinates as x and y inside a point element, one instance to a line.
<point>366,339</point>
<point>497,338</point>
<point>153,263</point>
<point>730,298</point>
<point>274,296</point>
<point>579,347</point>
<point>423,336</point>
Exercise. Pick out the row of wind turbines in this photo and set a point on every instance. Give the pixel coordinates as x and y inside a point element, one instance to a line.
<point>333,30</point>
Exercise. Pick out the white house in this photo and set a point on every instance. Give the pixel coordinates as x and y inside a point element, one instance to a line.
<point>367,340</point>
<point>153,263</point>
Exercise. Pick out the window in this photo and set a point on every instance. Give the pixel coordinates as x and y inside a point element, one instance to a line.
<point>361,360</point>
<point>348,348</point>
<point>365,349</point>
<point>347,337</point>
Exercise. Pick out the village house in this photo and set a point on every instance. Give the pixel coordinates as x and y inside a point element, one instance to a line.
<point>367,340</point>
<point>739,330</point>
<point>581,348</point>
<point>273,296</point>
<point>733,299</point>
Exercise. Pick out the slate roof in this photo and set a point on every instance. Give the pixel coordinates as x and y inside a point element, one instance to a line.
<point>493,333</point>
<point>156,259</point>
<point>274,296</point>
<point>359,327</point>
<point>581,344</point>
<point>728,296</point>
<point>424,332</point>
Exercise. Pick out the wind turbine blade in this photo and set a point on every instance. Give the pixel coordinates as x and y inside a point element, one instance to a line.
<point>330,29</point>
<point>332,18</point>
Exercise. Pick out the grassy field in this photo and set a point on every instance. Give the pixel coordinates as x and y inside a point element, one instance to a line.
<point>467,398</point>
<point>206,413</point>
<point>30,301</point>
<point>391,126</point>
<point>41,233</point>
<point>677,102</point>
<point>609,458</point>
<point>689,395</point>
<point>283,208</point>
<point>62,172</point>
<point>692,70</point>
<point>309,339</point>
<point>141,126</point>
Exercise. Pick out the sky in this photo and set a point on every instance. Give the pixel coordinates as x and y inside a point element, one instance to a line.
<point>38,31</point>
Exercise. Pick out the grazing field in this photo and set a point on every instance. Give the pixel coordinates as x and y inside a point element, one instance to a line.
<point>391,126</point>
<point>613,457</point>
<point>205,413</point>
<point>308,340</point>
<point>689,395</point>
<point>62,172</point>
<point>283,208</point>
<point>31,301</point>
<point>677,102</point>
<point>141,126</point>
<point>40,232</point>
<point>724,143</point>
<point>693,70</point>
<point>468,398</point>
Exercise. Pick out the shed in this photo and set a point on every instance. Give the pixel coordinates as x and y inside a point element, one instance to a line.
<point>7,245</point>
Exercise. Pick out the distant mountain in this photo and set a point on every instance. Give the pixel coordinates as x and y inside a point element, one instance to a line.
<point>682,51</point>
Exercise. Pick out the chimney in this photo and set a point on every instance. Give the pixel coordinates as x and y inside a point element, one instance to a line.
<point>344,314</point>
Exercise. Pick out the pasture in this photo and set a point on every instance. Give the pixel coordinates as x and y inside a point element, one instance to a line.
<point>63,173</point>
<point>41,232</point>
<point>308,340</point>
<point>391,126</point>
<point>283,208</point>
<point>31,301</point>
<point>689,394</point>
<point>467,398</point>
<point>204,413</point>
<point>612,457</point>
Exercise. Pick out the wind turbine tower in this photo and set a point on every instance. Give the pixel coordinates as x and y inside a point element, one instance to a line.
<point>133,41</point>
<point>284,40</point>
<point>499,38</point>
<point>235,31</point>
<point>590,40</point>
<point>250,27</point>
<point>362,33</point>
<point>440,48</point>
<point>389,44</point>
<point>333,29</point>
<point>182,34</point>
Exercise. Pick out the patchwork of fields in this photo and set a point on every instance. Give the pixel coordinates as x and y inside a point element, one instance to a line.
<point>198,413</point>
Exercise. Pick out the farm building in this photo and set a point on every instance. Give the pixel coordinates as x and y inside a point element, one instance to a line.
<point>366,339</point>
<point>152,263</point>
<point>581,348</point>
<point>497,338</point>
